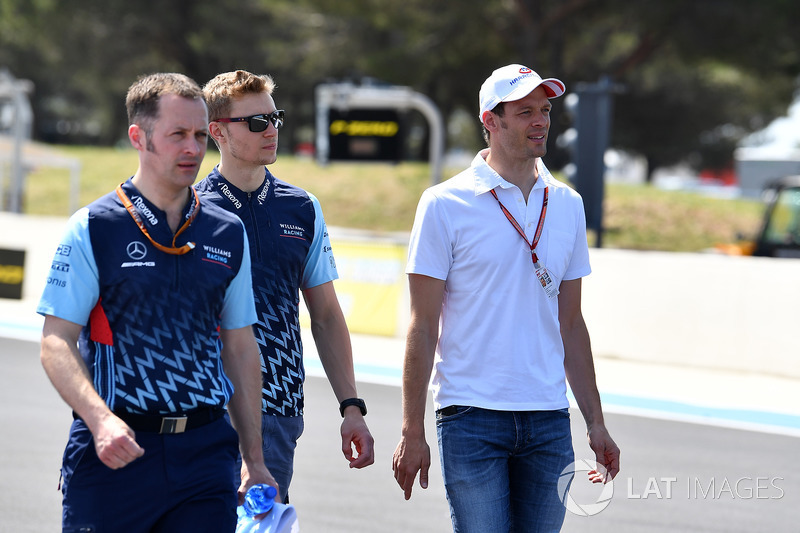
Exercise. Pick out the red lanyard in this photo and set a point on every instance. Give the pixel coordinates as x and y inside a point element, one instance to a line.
<point>519,229</point>
<point>174,250</point>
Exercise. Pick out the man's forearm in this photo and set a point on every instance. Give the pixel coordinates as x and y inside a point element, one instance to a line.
<point>67,372</point>
<point>332,340</point>
<point>417,366</point>
<point>579,368</point>
<point>242,364</point>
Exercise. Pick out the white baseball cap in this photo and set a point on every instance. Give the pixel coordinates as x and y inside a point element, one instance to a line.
<point>514,82</point>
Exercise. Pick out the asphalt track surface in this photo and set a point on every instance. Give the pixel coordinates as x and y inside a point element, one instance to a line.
<point>676,476</point>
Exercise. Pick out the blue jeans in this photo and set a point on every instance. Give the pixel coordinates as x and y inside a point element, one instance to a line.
<point>501,468</point>
<point>280,435</point>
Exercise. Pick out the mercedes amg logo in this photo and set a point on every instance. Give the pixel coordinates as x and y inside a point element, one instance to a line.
<point>136,250</point>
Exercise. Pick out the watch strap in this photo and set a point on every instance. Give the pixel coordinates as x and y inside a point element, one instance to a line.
<point>358,402</point>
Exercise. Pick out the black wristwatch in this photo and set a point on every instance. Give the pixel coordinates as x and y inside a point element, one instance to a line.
<point>353,401</point>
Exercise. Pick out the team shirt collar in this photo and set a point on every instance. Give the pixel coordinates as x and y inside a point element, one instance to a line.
<point>235,195</point>
<point>148,212</point>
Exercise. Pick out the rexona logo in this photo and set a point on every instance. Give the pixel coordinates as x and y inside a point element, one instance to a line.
<point>141,206</point>
<point>263,194</point>
<point>578,497</point>
<point>226,192</point>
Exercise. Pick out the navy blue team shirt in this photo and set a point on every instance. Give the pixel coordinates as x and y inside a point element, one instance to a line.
<point>290,250</point>
<point>151,319</point>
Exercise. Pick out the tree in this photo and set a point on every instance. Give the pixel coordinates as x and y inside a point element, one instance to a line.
<point>696,76</point>
<point>699,74</point>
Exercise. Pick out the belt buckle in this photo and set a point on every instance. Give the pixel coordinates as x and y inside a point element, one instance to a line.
<point>173,424</point>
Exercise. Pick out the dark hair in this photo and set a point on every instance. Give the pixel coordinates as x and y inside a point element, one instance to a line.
<point>143,96</point>
<point>499,110</point>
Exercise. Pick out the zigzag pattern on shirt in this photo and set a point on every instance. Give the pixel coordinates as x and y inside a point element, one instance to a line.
<point>165,367</point>
<point>278,336</point>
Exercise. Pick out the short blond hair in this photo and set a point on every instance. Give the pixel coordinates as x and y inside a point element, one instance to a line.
<point>223,88</point>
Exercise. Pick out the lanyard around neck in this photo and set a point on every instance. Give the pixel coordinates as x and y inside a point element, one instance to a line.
<point>173,250</point>
<point>519,229</point>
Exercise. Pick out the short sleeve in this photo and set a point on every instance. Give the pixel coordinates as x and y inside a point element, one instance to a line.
<point>72,287</point>
<point>430,250</point>
<point>319,266</point>
<point>239,308</point>
<point>579,265</point>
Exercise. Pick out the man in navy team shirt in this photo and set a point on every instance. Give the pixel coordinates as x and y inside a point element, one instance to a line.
<point>290,253</point>
<point>147,335</point>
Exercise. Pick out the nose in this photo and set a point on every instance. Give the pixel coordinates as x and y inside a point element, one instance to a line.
<point>196,145</point>
<point>540,119</point>
<point>271,130</point>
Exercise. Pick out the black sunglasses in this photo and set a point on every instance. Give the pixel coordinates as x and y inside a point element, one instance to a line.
<point>258,123</point>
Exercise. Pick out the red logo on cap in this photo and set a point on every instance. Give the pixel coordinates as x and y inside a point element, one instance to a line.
<point>525,70</point>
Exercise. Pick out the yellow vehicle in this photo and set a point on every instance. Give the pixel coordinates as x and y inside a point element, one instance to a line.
<point>779,235</point>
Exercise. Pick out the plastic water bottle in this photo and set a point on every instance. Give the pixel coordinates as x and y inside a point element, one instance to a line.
<point>274,517</point>
<point>259,499</point>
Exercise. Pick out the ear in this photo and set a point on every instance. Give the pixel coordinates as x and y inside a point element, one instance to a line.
<point>490,121</point>
<point>137,136</point>
<point>217,132</point>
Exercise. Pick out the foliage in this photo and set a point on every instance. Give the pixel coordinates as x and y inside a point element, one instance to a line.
<point>383,198</point>
<point>697,74</point>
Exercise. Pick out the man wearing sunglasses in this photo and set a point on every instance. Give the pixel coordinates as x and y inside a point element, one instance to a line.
<point>290,252</point>
<point>147,334</point>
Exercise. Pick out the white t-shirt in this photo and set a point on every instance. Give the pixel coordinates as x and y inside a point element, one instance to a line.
<point>500,344</point>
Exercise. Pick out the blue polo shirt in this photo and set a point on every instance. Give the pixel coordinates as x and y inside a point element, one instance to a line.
<point>290,250</point>
<point>151,319</point>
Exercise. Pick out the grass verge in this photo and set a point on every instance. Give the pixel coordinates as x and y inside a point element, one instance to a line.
<point>383,198</point>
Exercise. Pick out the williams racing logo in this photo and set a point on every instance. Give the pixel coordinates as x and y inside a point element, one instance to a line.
<point>217,255</point>
<point>137,251</point>
<point>292,231</point>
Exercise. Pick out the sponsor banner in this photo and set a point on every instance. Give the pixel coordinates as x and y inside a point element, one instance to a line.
<point>370,286</point>
<point>12,273</point>
<point>365,135</point>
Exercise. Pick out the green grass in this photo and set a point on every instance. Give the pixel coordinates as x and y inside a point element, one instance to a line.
<point>383,198</point>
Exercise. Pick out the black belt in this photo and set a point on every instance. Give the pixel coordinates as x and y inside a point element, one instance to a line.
<point>171,423</point>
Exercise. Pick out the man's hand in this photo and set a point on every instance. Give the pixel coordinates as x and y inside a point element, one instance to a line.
<point>606,455</point>
<point>115,443</point>
<point>253,475</point>
<point>356,436</point>
<point>410,457</point>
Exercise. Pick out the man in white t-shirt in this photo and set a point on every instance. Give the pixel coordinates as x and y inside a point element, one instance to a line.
<point>496,258</point>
